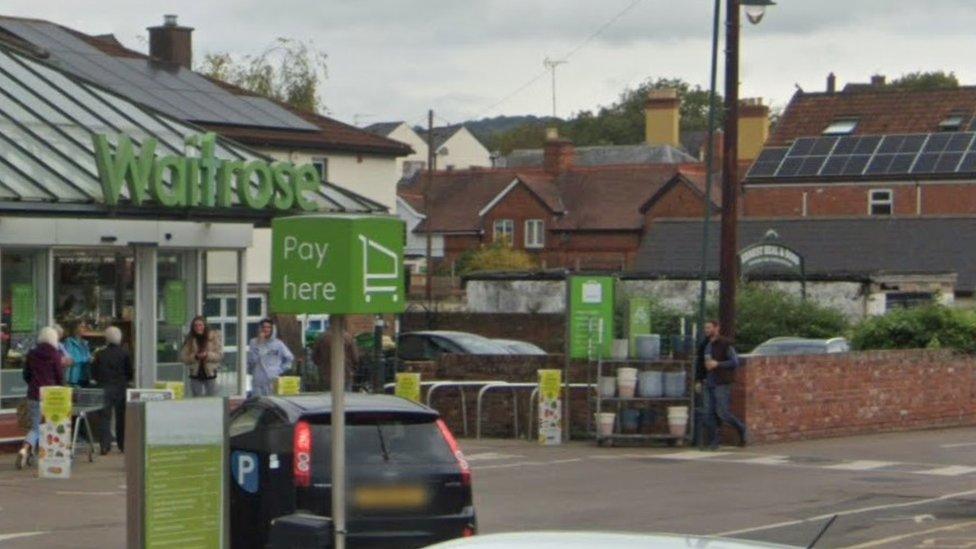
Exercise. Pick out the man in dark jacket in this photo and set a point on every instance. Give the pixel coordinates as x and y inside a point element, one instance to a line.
<point>720,362</point>
<point>112,371</point>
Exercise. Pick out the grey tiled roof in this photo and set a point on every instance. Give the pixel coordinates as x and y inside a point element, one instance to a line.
<point>383,128</point>
<point>604,155</point>
<point>834,246</point>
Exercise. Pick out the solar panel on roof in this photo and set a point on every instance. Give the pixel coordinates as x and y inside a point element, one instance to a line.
<point>968,163</point>
<point>912,143</point>
<point>925,163</point>
<point>789,167</point>
<point>846,145</point>
<point>180,92</point>
<point>959,142</point>
<point>867,144</point>
<point>937,143</point>
<point>823,146</point>
<point>856,164</point>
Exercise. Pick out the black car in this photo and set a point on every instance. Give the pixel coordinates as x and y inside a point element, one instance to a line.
<point>408,483</point>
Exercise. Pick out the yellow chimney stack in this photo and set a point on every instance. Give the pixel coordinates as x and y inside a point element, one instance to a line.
<point>753,127</point>
<point>662,118</point>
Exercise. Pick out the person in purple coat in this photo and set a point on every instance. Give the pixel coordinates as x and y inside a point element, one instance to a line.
<point>43,369</point>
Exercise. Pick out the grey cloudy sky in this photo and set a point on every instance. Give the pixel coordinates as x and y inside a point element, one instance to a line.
<point>392,59</point>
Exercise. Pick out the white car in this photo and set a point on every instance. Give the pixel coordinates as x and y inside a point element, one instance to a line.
<point>590,540</point>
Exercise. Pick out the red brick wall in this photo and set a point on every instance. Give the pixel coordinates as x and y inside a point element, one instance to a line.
<point>518,205</point>
<point>949,199</point>
<point>795,398</point>
<point>824,200</point>
<point>680,201</point>
<point>593,249</point>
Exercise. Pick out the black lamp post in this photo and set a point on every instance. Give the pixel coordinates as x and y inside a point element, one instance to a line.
<point>728,261</point>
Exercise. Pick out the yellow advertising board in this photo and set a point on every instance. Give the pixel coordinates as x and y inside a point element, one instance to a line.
<point>54,453</point>
<point>408,386</point>
<point>288,385</point>
<point>178,388</point>
<point>550,407</point>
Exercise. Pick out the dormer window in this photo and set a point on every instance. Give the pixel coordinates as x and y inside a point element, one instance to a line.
<point>842,126</point>
<point>952,123</point>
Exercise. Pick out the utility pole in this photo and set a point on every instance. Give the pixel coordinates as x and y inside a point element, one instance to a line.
<point>431,158</point>
<point>728,260</point>
<point>551,64</point>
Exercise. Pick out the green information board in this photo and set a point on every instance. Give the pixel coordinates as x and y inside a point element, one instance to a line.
<point>183,489</point>
<point>177,477</point>
<point>337,264</point>
<point>174,302</point>
<point>638,321</point>
<point>23,308</point>
<point>590,316</point>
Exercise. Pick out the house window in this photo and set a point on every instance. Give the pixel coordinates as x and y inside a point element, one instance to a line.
<point>221,313</point>
<point>322,166</point>
<point>842,126</point>
<point>410,167</point>
<point>881,202</point>
<point>504,230</point>
<point>952,123</point>
<point>535,235</point>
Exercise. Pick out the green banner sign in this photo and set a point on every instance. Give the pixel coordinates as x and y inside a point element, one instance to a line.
<point>200,181</point>
<point>638,321</point>
<point>174,302</point>
<point>590,316</point>
<point>337,264</point>
<point>23,308</point>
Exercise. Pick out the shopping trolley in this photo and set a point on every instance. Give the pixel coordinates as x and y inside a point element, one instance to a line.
<point>83,403</point>
<point>368,289</point>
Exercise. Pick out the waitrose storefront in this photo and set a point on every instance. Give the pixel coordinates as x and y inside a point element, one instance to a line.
<point>108,210</point>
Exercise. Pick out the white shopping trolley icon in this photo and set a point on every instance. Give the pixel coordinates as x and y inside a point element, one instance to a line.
<point>378,278</point>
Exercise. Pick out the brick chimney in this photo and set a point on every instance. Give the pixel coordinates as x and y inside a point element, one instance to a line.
<point>662,118</point>
<point>558,155</point>
<point>753,127</point>
<point>831,83</point>
<point>171,43</point>
<point>878,80</point>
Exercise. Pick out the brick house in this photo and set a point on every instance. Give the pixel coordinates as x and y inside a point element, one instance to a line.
<point>579,217</point>
<point>868,150</point>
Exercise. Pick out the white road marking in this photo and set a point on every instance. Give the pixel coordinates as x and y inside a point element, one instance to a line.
<point>692,455</point>
<point>488,456</point>
<point>766,460</point>
<point>950,471</point>
<point>958,445</point>
<point>892,539</point>
<point>861,465</point>
<point>5,537</point>
<point>858,511</point>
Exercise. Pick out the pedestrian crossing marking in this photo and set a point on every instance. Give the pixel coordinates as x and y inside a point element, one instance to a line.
<point>861,465</point>
<point>949,471</point>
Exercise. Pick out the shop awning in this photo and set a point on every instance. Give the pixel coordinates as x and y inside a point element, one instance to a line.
<point>47,157</point>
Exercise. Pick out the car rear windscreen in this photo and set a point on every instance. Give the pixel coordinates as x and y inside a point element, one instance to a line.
<point>382,438</point>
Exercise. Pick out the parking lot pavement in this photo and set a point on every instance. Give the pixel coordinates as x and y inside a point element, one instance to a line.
<point>897,490</point>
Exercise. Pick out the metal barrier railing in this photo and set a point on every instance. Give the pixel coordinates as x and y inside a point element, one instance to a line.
<point>506,385</point>
<point>432,386</point>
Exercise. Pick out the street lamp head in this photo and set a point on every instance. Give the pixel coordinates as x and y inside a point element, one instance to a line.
<point>756,9</point>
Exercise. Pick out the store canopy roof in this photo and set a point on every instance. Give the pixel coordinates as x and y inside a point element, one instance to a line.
<point>47,160</point>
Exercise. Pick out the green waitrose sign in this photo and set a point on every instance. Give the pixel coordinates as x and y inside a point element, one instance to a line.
<point>337,264</point>
<point>590,316</point>
<point>200,181</point>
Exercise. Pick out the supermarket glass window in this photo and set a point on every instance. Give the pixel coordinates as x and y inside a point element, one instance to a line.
<point>221,312</point>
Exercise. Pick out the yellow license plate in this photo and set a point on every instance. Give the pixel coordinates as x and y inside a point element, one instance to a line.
<point>392,497</point>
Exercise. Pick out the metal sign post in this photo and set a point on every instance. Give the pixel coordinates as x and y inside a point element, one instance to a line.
<point>337,323</point>
<point>337,265</point>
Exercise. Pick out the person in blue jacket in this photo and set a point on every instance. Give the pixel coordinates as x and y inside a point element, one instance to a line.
<point>80,355</point>
<point>267,358</point>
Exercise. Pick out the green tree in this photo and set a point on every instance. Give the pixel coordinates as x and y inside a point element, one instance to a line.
<point>620,123</point>
<point>291,71</point>
<point>926,80</point>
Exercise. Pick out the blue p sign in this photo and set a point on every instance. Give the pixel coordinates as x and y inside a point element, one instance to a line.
<point>244,468</point>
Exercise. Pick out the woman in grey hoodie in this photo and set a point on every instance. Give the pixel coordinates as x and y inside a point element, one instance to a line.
<point>267,358</point>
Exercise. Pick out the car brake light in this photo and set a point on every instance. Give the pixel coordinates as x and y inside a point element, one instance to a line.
<point>302,452</point>
<point>468,532</point>
<point>456,450</point>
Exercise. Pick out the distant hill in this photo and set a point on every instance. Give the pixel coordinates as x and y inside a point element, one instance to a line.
<point>487,129</point>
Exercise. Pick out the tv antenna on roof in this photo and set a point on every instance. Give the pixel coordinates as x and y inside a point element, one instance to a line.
<point>551,64</point>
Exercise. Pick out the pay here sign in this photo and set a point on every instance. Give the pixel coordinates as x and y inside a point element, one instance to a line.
<point>337,264</point>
